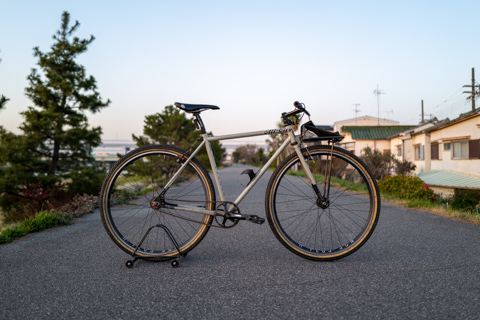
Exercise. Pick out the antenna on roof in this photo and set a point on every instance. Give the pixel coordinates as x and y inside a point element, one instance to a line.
<point>378,92</point>
<point>356,111</point>
<point>388,113</point>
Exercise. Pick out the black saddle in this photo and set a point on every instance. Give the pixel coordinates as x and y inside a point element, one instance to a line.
<point>192,108</point>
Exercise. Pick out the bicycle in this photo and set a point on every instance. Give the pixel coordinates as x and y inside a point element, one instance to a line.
<point>322,202</point>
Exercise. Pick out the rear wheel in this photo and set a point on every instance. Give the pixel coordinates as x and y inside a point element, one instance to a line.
<point>129,209</point>
<point>324,229</point>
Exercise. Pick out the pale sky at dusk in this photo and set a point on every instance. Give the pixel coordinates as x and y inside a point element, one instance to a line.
<point>253,58</point>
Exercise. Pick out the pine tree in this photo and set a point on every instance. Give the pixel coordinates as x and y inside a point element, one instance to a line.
<point>61,96</point>
<point>54,151</point>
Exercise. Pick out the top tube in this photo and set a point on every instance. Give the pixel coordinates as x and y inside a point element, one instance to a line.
<point>248,134</point>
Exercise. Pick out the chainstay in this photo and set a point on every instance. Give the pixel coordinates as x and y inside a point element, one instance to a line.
<point>199,222</point>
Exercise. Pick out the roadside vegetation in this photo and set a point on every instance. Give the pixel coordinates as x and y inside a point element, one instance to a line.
<point>47,173</point>
<point>401,188</point>
<point>45,219</point>
<point>412,192</point>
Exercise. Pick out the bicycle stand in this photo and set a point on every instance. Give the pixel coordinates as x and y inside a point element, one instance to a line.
<point>175,262</point>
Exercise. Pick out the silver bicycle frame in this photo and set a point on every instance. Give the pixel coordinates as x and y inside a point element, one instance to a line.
<point>291,139</point>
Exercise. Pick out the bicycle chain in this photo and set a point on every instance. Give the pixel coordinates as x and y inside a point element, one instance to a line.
<point>235,220</point>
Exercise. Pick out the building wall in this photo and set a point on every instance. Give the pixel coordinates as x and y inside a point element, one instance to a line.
<point>418,140</point>
<point>397,148</point>
<point>462,131</point>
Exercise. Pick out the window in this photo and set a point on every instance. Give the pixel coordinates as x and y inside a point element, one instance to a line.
<point>460,150</point>
<point>419,153</point>
<point>434,151</point>
<point>474,149</point>
<point>447,146</point>
<point>399,151</point>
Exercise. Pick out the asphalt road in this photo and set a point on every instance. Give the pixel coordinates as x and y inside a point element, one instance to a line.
<point>415,265</point>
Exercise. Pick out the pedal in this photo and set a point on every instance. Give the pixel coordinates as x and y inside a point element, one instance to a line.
<point>255,219</point>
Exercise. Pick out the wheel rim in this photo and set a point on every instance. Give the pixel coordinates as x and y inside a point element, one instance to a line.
<point>313,229</point>
<point>129,213</point>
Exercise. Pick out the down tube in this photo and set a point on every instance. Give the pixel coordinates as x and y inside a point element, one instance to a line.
<point>262,171</point>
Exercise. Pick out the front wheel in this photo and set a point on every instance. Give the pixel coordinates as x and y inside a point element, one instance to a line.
<point>132,213</point>
<point>323,228</point>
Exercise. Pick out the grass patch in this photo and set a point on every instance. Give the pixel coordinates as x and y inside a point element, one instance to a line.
<point>439,208</point>
<point>41,221</point>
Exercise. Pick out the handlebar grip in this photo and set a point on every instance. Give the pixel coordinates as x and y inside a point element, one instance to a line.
<point>301,106</point>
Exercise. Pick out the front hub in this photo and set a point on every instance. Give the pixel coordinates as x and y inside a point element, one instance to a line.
<point>323,202</point>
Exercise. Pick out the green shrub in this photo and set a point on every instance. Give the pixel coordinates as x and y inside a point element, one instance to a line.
<point>406,187</point>
<point>33,198</point>
<point>41,221</point>
<point>465,199</point>
<point>10,234</point>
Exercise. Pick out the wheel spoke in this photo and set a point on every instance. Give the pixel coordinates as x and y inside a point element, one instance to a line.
<point>323,231</point>
<point>126,208</point>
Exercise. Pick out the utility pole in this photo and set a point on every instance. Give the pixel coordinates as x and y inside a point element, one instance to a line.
<point>356,111</point>
<point>473,93</point>
<point>378,93</point>
<point>423,114</point>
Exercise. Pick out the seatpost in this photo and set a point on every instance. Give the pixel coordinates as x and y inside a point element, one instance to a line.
<point>198,122</point>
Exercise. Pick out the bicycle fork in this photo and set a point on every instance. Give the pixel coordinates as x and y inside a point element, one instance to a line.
<point>322,199</point>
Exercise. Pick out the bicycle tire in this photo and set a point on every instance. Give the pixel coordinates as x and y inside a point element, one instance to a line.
<point>127,213</point>
<point>318,231</point>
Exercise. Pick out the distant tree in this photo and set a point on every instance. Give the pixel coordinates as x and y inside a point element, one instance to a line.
<point>276,139</point>
<point>259,157</point>
<point>3,101</point>
<point>236,156</point>
<point>57,142</point>
<point>274,143</point>
<point>172,127</point>
<point>380,163</point>
<point>404,167</point>
<point>247,153</point>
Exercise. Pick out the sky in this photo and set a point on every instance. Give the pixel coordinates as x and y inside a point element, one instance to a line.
<point>253,59</point>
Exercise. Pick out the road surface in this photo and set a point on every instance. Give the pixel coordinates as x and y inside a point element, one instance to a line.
<point>415,265</point>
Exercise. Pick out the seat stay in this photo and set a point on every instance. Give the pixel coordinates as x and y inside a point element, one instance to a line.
<point>180,170</point>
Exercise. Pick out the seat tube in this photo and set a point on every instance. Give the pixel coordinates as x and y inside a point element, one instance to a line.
<point>213,164</point>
